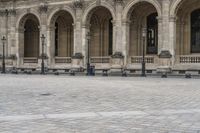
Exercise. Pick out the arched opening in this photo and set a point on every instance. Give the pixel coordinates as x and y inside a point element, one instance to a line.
<point>31,36</point>
<point>62,22</point>
<point>195,31</point>
<point>143,15</point>
<point>152,34</point>
<point>101,31</point>
<point>187,27</point>
<point>64,34</point>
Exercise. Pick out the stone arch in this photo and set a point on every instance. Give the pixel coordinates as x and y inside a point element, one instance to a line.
<point>174,7</point>
<point>182,10</point>
<point>89,10</point>
<point>61,33</point>
<point>52,14</point>
<point>127,10</point>
<point>22,18</point>
<point>29,35</point>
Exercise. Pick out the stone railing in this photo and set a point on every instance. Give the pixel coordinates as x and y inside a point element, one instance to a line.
<point>63,60</point>
<point>30,60</point>
<point>184,59</point>
<point>138,59</point>
<point>103,60</point>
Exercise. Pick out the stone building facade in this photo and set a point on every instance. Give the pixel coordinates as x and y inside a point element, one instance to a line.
<point>111,33</point>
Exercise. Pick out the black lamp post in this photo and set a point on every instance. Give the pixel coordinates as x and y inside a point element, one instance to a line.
<point>143,53</point>
<point>42,64</point>
<point>3,61</point>
<point>88,54</point>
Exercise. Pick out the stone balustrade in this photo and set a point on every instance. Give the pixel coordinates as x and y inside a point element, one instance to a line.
<point>30,60</point>
<point>63,60</point>
<point>185,59</point>
<point>138,59</point>
<point>102,60</point>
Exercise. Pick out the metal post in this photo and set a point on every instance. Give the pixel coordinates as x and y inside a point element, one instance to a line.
<point>143,53</point>
<point>42,64</point>
<point>3,61</point>
<point>88,55</point>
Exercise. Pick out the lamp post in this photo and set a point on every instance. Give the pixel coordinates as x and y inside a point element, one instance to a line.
<point>88,54</point>
<point>143,53</point>
<point>42,64</point>
<point>3,61</point>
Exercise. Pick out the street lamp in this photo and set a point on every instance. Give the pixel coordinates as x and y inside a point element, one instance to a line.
<point>88,54</point>
<point>143,53</point>
<point>3,62</point>
<point>42,64</point>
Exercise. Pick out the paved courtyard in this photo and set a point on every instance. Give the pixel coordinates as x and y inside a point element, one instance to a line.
<point>64,104</point>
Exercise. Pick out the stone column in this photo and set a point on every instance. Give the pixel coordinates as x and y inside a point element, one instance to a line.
<point>125,40</point>
<point>79,44</point>
<point>160,37</point>
<point>119,49</point>
<point>78,28</point>
<point>43,8</point>
<point>172,37</point>
<point>117,27</point>
<point>167,50</point>
<point>11,38</point>
<point>4,29</point>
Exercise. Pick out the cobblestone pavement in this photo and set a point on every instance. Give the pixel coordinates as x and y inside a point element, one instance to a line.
<point>64,104</point>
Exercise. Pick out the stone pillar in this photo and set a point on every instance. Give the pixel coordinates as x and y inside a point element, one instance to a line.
<point>78,28</point>
<point>166,55</point>
<point>79,32</point>
<point>4,29</point>
<point>43,8</point>
<point>126,40</point>
<point>11,36</point>
<point>172,37</point>
<point>119,49</point>
<point>85,31</point>
<point>160,37</point>
<point>117,27</point>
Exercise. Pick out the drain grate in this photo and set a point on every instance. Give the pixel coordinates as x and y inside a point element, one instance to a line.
<point>46,94</point>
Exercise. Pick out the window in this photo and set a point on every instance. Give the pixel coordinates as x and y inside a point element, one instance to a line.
<point>195,31</point>
<point>56,39</point>
<point>152,34</point>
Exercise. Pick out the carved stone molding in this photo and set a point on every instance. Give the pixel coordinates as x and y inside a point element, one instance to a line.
<point>119,1</point>
<point>7,12</point>
<point>43,8</point>
<point>78,4</point>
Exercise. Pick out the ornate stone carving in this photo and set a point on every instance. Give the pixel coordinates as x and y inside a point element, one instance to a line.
<point>165,54</point>
<point>43,7</point>
<point>118,1</point>
<point>78,4</point>
<point>117,55</point>
<point>7,12</point>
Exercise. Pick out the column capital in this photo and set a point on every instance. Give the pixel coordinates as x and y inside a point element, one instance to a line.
<point>126,22</point>
<point>159,19</point>
<point>172,19</point>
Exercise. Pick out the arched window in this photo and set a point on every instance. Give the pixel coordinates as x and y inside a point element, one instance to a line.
<point>64,34</point>
<point>195,31</point>
<point>101,32</point>
<point>152,34</point>
<point>31,37</point>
